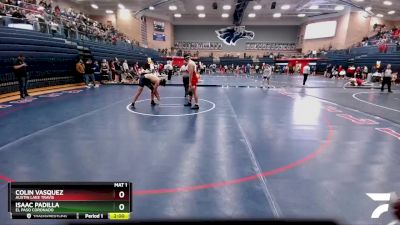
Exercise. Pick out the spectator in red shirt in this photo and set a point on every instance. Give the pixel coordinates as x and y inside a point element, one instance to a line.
<point>340,68</point>
<point>136,68</point>
<point>350,71</point>
<point>358,73</point>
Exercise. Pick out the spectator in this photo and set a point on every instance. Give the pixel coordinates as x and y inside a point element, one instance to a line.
<point>136,69</point>
<point>125,66</point>
<point>125,72</point>
<point>105,70</point>
<point>89,74</point>
<point>358,73</point>
<point>248,69</point>
<point>394,78</point>
<point>80,69</point>
<point>365,72</point>
<point>169,69</point>
<point>118,70</point>
<point>18,14</point>
<point>22,76</point>
<point>334,73</point>
<point>387,78</point>
<point>257,67</point>
<point>96,69</point>
<point>342,74</point>
<point>328,71</point>
<point>54,27</point>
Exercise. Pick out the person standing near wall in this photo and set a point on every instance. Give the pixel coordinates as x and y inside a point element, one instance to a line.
<point>306,72</point>
<point>387,78</point>
<point>105,70</point>
<point>170,69</point>
<point>193,80</point>
<point>80,70</point>
<point>22,76</point>
<point>185,79</point>
<point>96,69</point>
<point>248,69</point>
<point>89,74</point>
<point>118,70</point>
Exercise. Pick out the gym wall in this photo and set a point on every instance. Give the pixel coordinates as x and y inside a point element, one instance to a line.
<point>262,33</point>
<point>351,28</point>
<point>168,32</point>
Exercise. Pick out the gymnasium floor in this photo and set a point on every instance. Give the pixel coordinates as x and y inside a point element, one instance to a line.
<point>283,152</point>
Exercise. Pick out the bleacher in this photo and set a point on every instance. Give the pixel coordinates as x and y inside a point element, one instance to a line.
<point>235,61</point>
<point>122,51</point>
<point>363,56</point>
<point>266,60</point>
<point>206,60</point>
<point>337,59</point>
<point>107,51</point>
<point>371,59</point>
<point>51,60</point>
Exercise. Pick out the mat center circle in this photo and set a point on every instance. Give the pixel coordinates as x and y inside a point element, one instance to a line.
<point>170,106</point>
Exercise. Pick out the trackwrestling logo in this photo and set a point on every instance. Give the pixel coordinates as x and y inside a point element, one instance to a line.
<point>386,199</point>
<point>230,35</point>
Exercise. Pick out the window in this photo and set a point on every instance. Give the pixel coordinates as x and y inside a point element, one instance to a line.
<point>320,30</point>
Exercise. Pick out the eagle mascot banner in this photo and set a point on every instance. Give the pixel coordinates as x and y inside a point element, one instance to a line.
<point>231,35</point>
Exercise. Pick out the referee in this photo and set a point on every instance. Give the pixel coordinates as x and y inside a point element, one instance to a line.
<point>387,78</point>
<point>306,72</point>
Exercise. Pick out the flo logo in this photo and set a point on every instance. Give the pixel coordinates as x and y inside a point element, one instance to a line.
<point>230,35</point>
<point>385,199</point>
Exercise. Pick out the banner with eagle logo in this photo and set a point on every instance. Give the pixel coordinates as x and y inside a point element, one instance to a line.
<point>230,35</point>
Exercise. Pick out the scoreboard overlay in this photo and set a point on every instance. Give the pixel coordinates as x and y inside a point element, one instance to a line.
<point>70,200</point>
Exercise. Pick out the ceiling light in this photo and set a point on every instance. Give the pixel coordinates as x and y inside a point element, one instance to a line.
<point>391,12</point>
<point>94,6</point>
<point>225,15</point>
<point>277,15</point>
<point>151,7</point>
<point>177,15</point>
<point>257,7</point>
<point>252,15</point>
<point>124,10</point>
<point>226,7</point>
<point>369,8</point>
<point>200,7</point>
<point>121,6</point>
<point>364,14</point>
<point>387,2</point>
<point>202,15</point>
<point>285,7</point>
<point>314,7</point>
<point>172,7</point>
<point>109,11</point>
<point>339,7</point>
<point>301,15</point>
<point>379,15</point>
